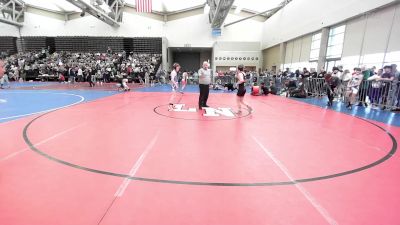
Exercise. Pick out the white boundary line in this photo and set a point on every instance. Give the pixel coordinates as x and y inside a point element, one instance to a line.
<point>324,213</point>
<point>48,110</point>
<point>136,167</point>
<point>40,142</point>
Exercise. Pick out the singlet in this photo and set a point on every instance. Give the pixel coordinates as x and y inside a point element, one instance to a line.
<point>241,85</point>
<point>174,76</point>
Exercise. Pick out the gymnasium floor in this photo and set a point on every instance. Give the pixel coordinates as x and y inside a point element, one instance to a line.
<point>74,155</point>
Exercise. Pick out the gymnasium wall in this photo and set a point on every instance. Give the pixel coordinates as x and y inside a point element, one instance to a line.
<point>231,54</point>
<point>271,58</point>
<point>302,17</point>
<point>370,39</point>
<point>298,53</point>
<point>373,39</point>
<point>8,30</point>
<point>194,30</point>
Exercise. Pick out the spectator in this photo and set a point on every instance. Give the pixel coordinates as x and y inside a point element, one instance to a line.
<point>364,86</point>
<point>396,96</point>
<point>80,74</point>
<point>313,73</point>
<point>3,76</point>
<point>61,78</point>
<point>71,75</point>
<point>353,87</point>
<point>299,92</point>
<point>331,82</point>
<point>306,73</point>
<point>322,73</point>
<point>272,88</point>
<point>320,83</point>
<point>336,73</point>
<point>1,73</point>
<point>264,89</point>
<point>92,79</point>
<point>290,86</point>
<point>376,85</point>
<point>286,73</point>
<point>386,78</point>
<point>346,77</point>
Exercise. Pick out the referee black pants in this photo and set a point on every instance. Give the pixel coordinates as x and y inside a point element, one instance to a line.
<point>204,91</point>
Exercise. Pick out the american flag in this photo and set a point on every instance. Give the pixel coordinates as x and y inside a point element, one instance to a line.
<point>144,6</point>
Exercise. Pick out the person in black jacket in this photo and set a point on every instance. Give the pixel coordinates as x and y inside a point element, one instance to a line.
<point>331,83</point>
<point>306,73</point>
<point>313,73</point>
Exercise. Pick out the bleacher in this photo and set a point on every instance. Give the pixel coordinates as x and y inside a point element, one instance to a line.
<point>33,43</point>
<point>8,45</point>
<point>146,45</point>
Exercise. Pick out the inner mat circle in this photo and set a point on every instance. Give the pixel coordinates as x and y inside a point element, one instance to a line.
<point>162,110</point>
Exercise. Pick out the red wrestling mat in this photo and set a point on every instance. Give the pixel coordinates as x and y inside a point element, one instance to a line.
<point>126,159</point>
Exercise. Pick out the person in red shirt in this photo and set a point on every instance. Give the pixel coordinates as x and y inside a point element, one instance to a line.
<point>61,78</point>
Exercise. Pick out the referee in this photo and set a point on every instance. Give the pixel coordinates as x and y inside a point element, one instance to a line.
<point>204,84</point>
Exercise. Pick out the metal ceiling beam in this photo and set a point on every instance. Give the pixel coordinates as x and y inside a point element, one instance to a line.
<point>249,17</point>
<point>219,10</point>
<point>10,22</point>
<point>11,11</point>
<point>115,6</point>
<point>94,11</point>
<point>270,12</point>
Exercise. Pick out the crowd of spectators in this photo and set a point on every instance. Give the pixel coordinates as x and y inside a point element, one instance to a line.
<point>365,86</point>
<point>81,66</point>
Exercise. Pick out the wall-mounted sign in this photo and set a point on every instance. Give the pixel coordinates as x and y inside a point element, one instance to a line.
<point>216,32</point>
